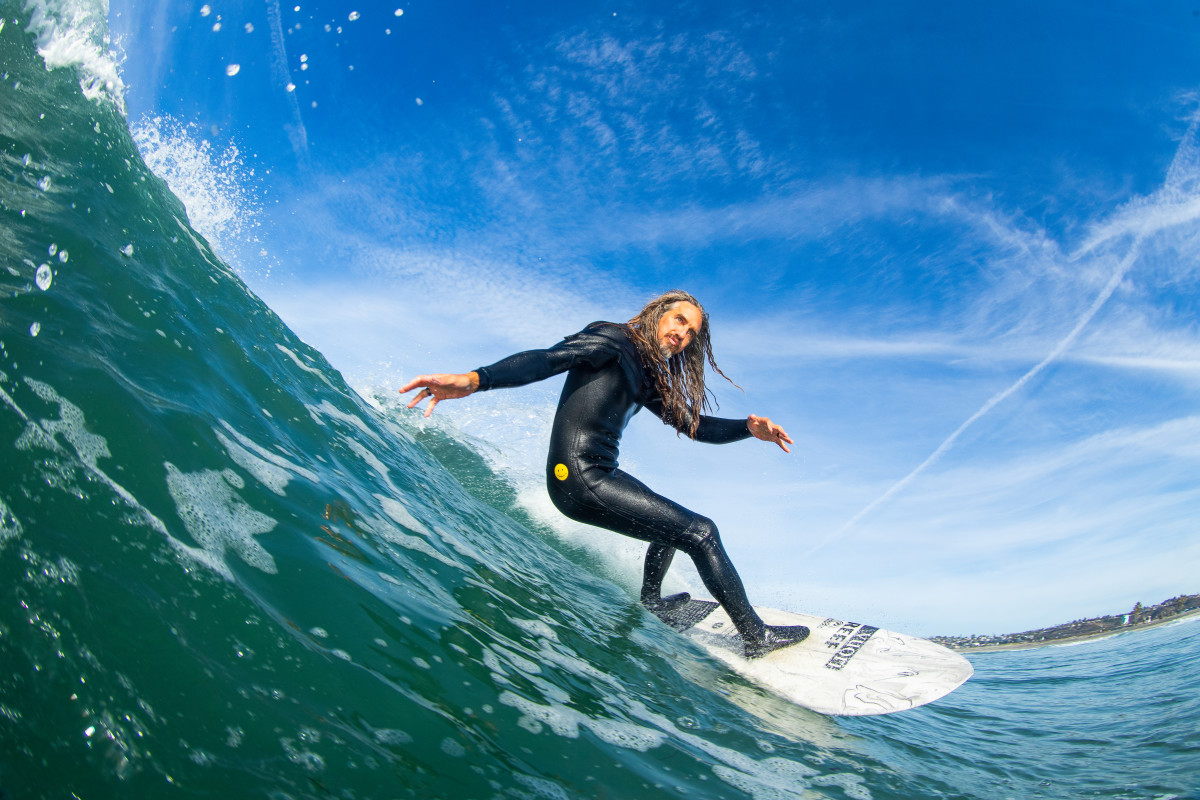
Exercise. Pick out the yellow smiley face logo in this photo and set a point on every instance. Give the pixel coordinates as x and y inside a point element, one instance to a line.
<point>560,471</point>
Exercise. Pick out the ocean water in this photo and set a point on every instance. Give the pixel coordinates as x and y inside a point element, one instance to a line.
<point>223,573</point>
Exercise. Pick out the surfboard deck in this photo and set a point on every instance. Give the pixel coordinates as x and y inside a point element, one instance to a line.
<point>842,668</point>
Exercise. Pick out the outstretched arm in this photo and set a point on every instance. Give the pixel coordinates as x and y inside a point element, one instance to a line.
<point>763,428</point>
<point>587,347</point>
<point>441,387</point>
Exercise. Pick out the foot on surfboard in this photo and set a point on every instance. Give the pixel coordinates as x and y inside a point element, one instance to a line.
<point>775,637</point>
<point>664,603</point>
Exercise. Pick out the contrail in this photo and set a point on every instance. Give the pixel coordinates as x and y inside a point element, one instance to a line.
<point>1118,275</point>
<point>296,131</point>
<point>1183,168</point>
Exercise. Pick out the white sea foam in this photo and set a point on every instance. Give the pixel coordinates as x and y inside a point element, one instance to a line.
<point>218,519</point>
<point>517,661</point>
<point>538,627</point>
<point>271,469</point>
<point>74,33</point>
<point>10,526</point>
<point>396,510</point>
<point>327,409</point>
<point>388,532</point>
<point>566,722</point>
<point>88,449</point>
<point>391,736</point>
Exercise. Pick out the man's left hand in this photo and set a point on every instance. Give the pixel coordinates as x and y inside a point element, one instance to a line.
<point>763,428</point>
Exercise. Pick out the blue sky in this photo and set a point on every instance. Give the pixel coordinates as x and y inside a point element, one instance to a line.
<point>951,248</point>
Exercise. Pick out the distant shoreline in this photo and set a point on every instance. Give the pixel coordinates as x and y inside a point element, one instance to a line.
<point>1139,626</point>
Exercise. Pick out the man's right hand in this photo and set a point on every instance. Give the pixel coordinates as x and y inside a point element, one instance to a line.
<point>441,387</point>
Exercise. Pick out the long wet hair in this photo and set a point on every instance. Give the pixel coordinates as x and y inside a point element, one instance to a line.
<point>680,378</point>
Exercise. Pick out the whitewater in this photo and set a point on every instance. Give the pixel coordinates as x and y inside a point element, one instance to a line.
<point>223,572</point>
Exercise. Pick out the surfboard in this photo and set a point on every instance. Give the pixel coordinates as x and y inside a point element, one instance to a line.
<point>843,668</point>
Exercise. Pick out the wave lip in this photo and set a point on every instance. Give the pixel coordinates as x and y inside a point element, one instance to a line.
<point>74,33</point>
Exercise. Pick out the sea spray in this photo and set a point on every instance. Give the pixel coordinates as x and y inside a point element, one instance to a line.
<point>223,572</point>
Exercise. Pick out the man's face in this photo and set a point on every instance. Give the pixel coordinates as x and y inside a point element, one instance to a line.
<point>678,326</point>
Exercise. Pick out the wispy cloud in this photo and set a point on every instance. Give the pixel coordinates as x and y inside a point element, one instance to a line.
<point>982,393</point>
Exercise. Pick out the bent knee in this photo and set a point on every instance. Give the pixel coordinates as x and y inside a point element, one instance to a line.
<point>702,534</point>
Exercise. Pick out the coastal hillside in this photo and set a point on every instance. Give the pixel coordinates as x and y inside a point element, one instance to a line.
<point>1082,628</point>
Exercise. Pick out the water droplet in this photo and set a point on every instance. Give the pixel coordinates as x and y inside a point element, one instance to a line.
<point>45,276</point>
<point>291,87</point>
<point>233,69</point>
<point>35,329</point>
<point>399,12</point>
<point>353,16</point>
<point>205,10</point>
<point>127,249</point>
<point>216,27</point>
<point>303,57</point>
<point>249,28</point>
<point>420,102</point>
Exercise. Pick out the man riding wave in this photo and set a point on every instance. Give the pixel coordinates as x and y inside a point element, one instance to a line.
<point>656,361</point>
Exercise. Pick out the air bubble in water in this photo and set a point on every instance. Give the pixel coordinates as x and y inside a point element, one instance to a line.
<point>44,183</point>
<point>249,27</point>
<point>35,329</point>
<point>233,69</point>
<point>399,12</point>
<point>205,10</point>
<point>63,256</point>
<point>53,248</point>
<point>44,277</point>
<point>127,249</point>
<point>353,16</point>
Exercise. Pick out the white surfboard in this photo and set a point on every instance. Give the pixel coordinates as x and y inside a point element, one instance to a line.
<point>842,668</point>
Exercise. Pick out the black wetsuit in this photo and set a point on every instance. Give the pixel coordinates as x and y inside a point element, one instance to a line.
<point>605,387</point>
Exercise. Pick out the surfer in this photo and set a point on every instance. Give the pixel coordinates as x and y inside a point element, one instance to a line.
<point>656,361</point>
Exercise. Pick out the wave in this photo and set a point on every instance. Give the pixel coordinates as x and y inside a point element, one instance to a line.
<point>226,572</point>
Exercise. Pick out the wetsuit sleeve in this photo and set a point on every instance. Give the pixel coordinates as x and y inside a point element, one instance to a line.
<point>711,430</point>
<point>536,365</point>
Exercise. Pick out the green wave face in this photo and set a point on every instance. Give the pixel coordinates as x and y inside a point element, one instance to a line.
<point>224,574</point>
